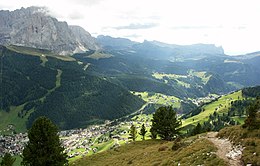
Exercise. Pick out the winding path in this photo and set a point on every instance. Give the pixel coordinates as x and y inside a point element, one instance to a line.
<point>226,151</point>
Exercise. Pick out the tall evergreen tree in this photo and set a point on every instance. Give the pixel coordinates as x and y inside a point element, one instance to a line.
<point>7,160</point>
<point>165,123</point>
<point>133,132</point>
<point>153,133</point>
<point>197,129</point>
<point>251,121</point>
<point>143,132</point>
<point>44,147</point>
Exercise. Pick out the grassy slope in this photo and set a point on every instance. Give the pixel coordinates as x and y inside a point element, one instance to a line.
<point>210,108</point>
<point>146,153</point>
<point>57,85</point>
<point>204,76</point>
<point>12,118</point>
<point>38,52</point>
<point>17,161</point>
<point>159,98</point>
<point>172,76</point>
<point>98,55</point>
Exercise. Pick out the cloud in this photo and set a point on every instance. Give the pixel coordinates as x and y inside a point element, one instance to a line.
<point>135,26</point>
<point>3,6</point>
<point>76,15</point>
<point>87,2</point>
<point>195,27</point>
<point>241,27</point>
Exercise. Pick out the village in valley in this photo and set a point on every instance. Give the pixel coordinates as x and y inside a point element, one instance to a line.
<point>81,142</point>
<point>98,138</point>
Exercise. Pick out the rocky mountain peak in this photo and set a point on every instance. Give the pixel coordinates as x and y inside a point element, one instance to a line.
<point>33,27</point>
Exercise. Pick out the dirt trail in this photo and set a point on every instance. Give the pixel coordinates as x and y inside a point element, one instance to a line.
<point>225,149</point>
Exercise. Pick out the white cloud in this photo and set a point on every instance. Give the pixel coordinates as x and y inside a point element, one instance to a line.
<point>234,24</point>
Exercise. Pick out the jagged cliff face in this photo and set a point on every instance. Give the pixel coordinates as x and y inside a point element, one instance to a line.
<point>32,27</point>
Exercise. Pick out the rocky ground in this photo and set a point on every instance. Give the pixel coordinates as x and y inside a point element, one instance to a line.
<point>226,151</point>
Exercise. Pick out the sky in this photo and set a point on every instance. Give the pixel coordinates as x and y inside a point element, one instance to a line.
<point>232,24</point>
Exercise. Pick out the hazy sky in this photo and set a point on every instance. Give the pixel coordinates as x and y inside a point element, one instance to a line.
<point>234,24</point>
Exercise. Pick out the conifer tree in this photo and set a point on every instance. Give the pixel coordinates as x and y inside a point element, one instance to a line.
<point>133,132</point>
<point>251,121</point>
<point>153,133</point>
<point>44,147</point>
<point>143,132</point>
<point>7,160</point>
<point>165,123</point>
<point>197,129</point>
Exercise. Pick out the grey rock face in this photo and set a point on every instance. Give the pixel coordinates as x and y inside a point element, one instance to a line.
<point>84,37</point>
<point>33,27</point>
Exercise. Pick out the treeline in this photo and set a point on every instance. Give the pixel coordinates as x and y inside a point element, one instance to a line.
<point>251,91</point>
<point>239,107</point>
<point>214,123</point>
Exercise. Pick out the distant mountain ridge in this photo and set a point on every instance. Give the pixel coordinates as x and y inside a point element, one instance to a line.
<point>160,50</point>
<point>33,27</point>
<point>196,48</point>
<point>111,42</point>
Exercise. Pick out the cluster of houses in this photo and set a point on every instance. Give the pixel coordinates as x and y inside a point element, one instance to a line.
<point>77,142</point>
<point>70,139</point>
<point>13,144</point>
<point>201,100</point>
<point>81,142</point>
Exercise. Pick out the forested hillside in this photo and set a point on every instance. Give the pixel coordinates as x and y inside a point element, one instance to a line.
<point>36,83</point>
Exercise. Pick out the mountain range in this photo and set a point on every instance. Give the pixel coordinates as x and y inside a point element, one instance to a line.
<point>49,68</point>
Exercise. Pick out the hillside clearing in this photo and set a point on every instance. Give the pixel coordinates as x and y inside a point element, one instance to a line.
<point>39,52</point>
<point>98,55</point>
<point>159,98</point>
